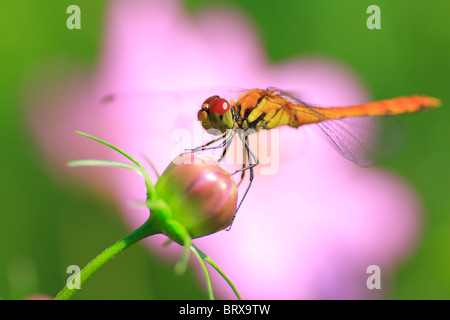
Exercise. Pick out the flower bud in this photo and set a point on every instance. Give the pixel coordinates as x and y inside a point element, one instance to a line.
<point>201,195</point>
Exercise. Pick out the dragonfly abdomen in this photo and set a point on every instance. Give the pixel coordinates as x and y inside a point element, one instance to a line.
<point>379,108</point>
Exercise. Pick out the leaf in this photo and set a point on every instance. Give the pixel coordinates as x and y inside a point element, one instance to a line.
<point>103,163</point>
<point>199,256</point>
<point>148,181</point>
<point>215,266</point>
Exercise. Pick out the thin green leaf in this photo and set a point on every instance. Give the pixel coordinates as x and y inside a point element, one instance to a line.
<point>205,270</point>
<point>181,266</point>
<point>145,175</point>
<point>151,165</point>
<point>215,266</point>
<point>103,163</point>
<point>109,145</point>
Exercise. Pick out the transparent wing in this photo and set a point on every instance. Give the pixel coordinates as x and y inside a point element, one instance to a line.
<point>364,140</point>
<point>156,122</point>
<point>357,139</point>
<point>168,107</point>
<point>193,95</point>
<point>354,138</point>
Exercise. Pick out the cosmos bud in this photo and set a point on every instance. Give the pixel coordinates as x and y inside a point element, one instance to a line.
<point>202,196</point>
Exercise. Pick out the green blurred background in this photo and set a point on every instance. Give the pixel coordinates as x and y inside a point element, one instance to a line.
<point>46,226</point>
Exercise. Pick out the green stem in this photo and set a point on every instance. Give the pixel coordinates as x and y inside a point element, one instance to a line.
<point>147,229</point>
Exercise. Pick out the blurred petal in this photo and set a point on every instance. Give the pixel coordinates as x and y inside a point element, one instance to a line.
<point>39,296</point>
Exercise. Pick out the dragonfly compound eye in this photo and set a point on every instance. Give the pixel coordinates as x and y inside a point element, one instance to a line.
<point>219,106</point>
<point>208,101</point>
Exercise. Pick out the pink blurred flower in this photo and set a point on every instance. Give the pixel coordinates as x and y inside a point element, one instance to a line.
<point>309,231</point>
<point>39,296</point>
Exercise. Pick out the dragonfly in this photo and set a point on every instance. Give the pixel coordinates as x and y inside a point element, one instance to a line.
<point>265,109</point>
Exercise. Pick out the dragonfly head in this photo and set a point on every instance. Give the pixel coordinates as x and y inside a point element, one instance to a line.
<point>216,113</point>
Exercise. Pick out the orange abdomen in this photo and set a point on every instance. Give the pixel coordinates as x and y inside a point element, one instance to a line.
<point>311,114</point>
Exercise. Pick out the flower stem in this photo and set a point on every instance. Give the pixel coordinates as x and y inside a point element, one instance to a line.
<point>147,229</point>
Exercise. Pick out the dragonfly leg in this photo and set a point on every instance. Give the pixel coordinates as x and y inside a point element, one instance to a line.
<point>225,142</point>
<point>226,138</point>
<point>252,162</point>
<point>244,162</point>
<point>227,146</point>
<point>203,147</point>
